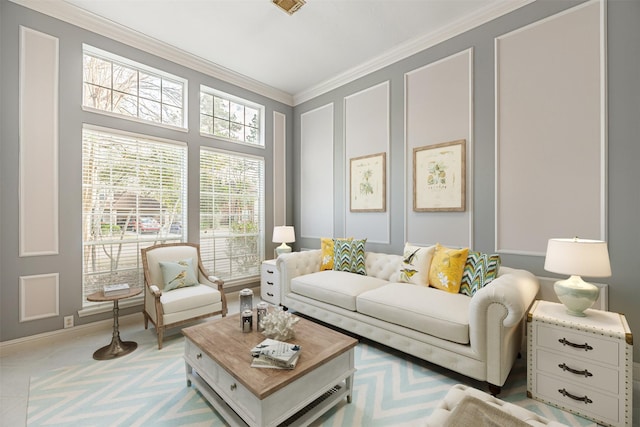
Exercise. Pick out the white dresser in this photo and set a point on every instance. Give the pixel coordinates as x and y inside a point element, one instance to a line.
<point>581,364</point>
<point>270,282</point>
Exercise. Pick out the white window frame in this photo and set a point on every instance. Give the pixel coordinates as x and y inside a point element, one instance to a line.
<point>246,103</point>
<point>113,58</point>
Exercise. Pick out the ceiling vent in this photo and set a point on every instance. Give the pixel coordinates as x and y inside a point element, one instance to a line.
<point>289,6</point>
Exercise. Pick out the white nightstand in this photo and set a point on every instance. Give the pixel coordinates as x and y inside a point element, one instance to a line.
<point>581,364</point>
<point>270,282</point>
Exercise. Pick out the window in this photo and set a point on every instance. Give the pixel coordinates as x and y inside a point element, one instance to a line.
<point>231,214</point>
<point>225,116</point>
<point>117,85</point>
<point>133,196</point>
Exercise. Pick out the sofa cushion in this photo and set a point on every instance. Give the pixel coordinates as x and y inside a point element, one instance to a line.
<point>428,310</point>
<point>479,270</point>
<point>338,288</point>
<point>447,267</point>
<point>349,255</point>
<point>327,247</point>
<point>178,274</point>
<point>415,264</point>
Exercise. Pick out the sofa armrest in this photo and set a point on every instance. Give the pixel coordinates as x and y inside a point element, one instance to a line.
<point>294,264</point>
<point>514,289</point>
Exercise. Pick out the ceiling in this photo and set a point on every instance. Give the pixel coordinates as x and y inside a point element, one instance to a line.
<point>324,41</point>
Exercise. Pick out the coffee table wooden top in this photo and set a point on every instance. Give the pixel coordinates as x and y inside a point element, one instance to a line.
<point>224,342</point>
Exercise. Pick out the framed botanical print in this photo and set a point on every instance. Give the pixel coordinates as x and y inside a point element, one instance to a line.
<point>368,177</point>
<point>439,177</point>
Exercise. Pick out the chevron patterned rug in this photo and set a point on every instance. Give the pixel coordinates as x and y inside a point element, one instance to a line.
<point>148,388</point>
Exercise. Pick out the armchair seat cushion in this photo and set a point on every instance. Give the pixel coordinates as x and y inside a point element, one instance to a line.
<point>182,299</point>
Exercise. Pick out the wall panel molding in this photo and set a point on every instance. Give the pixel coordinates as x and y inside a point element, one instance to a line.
<point>438,109</point>
<point>39,296</point>
<point>279,169</point>
<point>38,133</point>
<point>551,179</point>
<point>366,132</point>
<point>317,173</point>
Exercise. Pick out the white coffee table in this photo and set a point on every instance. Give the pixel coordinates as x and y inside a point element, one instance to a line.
<point>217,356</point>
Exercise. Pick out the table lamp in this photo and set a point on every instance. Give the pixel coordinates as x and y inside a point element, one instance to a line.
<point>283,234</point>
<point>577,257</point>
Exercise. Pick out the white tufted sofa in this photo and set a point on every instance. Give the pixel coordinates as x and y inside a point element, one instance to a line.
<point>477,336</point>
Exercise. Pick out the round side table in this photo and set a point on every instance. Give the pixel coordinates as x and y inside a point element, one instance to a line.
<point>117,347</point>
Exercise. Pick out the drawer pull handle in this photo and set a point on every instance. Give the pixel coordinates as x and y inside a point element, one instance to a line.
<point>233,386</point>
<point>564,367</point>
<point>270,271</point>
<point>584,399</point>
<point>199,356</point>
<point>270,283</point>
<point>270,294</point>
<point>585,346</point>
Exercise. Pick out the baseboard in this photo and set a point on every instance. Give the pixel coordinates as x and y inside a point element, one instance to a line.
<point>19,344</point>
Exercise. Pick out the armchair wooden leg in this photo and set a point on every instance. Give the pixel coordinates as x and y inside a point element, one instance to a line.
<point>146,319</point>
<point>494,389</point>
<point>160,336</point>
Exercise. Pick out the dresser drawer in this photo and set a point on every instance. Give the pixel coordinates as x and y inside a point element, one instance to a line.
<point>577,344</point>
<point>579,371</point>
<point>565,394</point>
<point>270,283</point>
<point>204,366</point>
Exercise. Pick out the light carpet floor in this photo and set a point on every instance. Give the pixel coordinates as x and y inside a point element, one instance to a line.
<point>148,388</point>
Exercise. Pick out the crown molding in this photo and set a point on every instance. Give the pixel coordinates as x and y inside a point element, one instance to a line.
<point>71,14</point>
<point>402,51</point>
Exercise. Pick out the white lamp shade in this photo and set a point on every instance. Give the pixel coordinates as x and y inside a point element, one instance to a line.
<point>579,257</point>
<point>284,234</point>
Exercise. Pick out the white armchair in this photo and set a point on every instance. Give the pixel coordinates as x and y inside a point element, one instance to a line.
<point>183,304</point>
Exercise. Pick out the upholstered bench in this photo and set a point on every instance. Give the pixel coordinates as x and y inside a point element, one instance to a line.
<point>465,406</point>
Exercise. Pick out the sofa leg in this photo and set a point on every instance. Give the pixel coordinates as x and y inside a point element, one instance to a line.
<point>494,389</point>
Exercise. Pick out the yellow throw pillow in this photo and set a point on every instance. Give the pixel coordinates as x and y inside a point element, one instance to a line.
<point>447,267</point>
<point>327,250</point>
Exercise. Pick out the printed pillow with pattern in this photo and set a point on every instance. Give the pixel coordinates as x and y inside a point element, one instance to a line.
<point>479,270</point>
<point>327,251</point>
<point>179,274</point>
<point>415,264</point>
<point>447,267</point>
<point>349,255</point>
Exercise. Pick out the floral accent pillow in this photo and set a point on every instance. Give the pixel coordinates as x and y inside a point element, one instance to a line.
<point>447,267</point>
<point>415,264</point>
<point>179,274</point>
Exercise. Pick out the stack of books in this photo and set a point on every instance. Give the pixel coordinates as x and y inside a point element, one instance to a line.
<point>118,289</point>
<point>275,354</point>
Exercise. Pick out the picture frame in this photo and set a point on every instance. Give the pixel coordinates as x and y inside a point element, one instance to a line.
<point>439,177</point>
<point>368,183</point>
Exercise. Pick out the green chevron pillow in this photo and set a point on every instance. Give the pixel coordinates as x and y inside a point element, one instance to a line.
<point>479,271</point>
<point>178,274</point>
<point>348,255</point>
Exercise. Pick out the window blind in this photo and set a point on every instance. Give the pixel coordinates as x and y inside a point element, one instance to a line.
<point>134,193</point>
<point>231,214</point>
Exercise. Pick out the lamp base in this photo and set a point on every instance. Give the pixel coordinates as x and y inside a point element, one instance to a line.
<point>576,294</point>
<point>283,249</point>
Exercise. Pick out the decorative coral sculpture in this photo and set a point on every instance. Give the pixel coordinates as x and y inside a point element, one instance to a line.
<point>278,325</point>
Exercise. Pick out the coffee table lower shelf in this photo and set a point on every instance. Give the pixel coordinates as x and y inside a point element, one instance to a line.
<point>303,417</point>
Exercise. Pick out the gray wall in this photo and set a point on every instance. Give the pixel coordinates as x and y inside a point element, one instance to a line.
<point>623,231</point>
<point>69,260</point>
